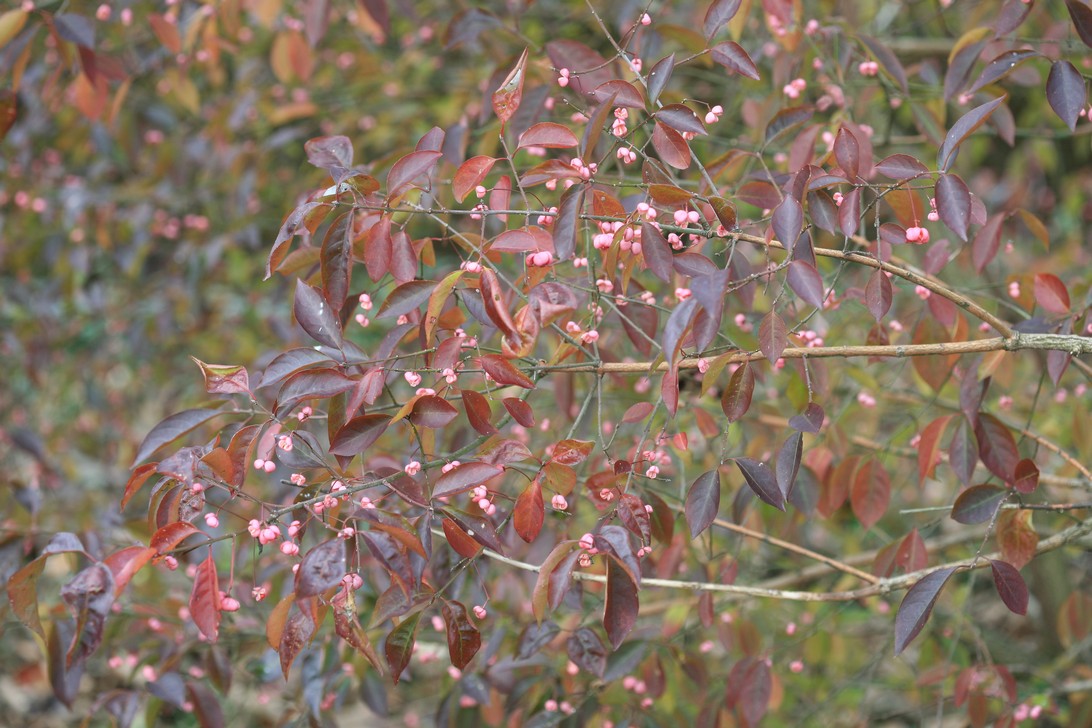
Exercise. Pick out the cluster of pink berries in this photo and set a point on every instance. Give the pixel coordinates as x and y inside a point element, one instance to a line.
<point>541,259</point>
<point>547,218</point>
<point>618,128</point>
<point>811,338</point>
<point>563,77</point>
<point>866,400</point>
<point>471,266</point>
<point>627,155</point>
<point>917,235</point>
<point>552,706</point>
<point>559,502</point>
<point>868,68</point>
<point>584,170</point>
<point>714,114</point>
<point>933,214</point>
<point>480,496</point>
<point>794,88</point>
<point>1014,289</point>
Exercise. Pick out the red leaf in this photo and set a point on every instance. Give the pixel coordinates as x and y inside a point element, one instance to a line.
<point>358,434</point>
<point>521,411</point>
<point>470,174</point>
<point>954,204</point>
<point>671,146</point>
<point>929,446</point>
<point>1027,476</point>
<point>136,480</point>
<point>637,412</point>
<point>322,568</point>
<point>432,412</point>
<point>718,15</point>
<point>1010,586</point>
<point>289,362</point>
<point>917,605</point>
<point>702,502</point>
<point>732,56</point>
<point>205,599</point>
<point>978,503</point>
<point>549,135</point>
<point>464,545</point>
<point>621,605</point>
<point>408,170</point>
<point>463,478</point>
<point>962,129</point>
<point>478,412</point>
<point>572,452</point>
<point>463,638</point>
<point>1051,293</point>
<point>806,282</point>
<point>615,93</point>
<point>502,372</point>
<point>172,428</point>
<point>762,481</point>
<point>507,98</point>
<point>124,564</point>
<point>168,537</point>
<point>337,259</point>
<point>311,384</point>
<point>529,512</point>
<point>871,493</point>
<point>773,337</point>
<point>736,399</point>
<point>494,303</point>
<point>878,294</point>
<point>750,686</point>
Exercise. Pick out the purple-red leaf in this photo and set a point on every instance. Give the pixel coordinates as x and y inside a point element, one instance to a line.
<point>788,221</point>
<point>409,169</point>
<point>587,651</point>
<point>549,135</point>
<point>681,117</point>
<point>521,411</point>
<point>433,412</point>
<point>901,167</point>
<point>463,478</point>
<point>407,297</point>
<point>463,638</point>
<point>224,378</point>
<point>322,568</point>
<point>671,146</point>
<point>849,212</point>
<point>996,447</point>
<point>702,502</point>
<point>1082,19</point>
<point>171,428</point>
<point>358,434</point>
<point>871,493</point>
<point>878,294</point>
<point>735,59</point>
<point>810,420</point>
<point>621,605</point>
<point>773,337</point>
<point>962,129</point>
<point>805,280</point>
<point>657,252</point>
<point>399,645</point>
<point>720,12</point>
<point>1027,476</point>
<point>917,605</point>
<point>316,316</point>
<point>736,399</point>
<point>954,204</point>
<point>978,503</point>
<point>502,372</point>
<point>1010,586</point>
<point>656,80</point>
<point>762,481</point>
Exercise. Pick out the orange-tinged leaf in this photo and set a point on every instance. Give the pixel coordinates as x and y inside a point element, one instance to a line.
<point>1016,537</point>
<point>205,599</point>
<point>549,135</point>
<point>929,446</point>
<point>507,98</point>
<point>470,174</point>
<point>436,303</point>
<point>224,378</point>
<point>529,512</point>
<point>502,372</point>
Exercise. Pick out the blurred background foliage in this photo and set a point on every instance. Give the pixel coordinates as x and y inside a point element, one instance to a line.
<point>154,150</point>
